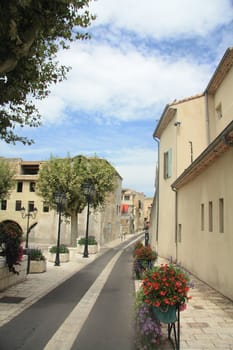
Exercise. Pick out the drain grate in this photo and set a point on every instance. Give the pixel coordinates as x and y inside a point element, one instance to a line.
<point>11,300</point>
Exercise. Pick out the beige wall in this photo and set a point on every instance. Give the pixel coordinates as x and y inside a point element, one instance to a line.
<point>191,115</point>
<point>104,224</point>
<point>224,96</point>
<point>208,254</point>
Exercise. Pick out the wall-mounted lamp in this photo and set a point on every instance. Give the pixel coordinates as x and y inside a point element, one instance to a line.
<point>177,123</point>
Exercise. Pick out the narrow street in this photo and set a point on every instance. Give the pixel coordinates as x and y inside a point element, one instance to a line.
<point>109,324</point>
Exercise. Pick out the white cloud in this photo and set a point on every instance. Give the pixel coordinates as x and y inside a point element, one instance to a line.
<point>122,85</point>
<point>137,168</point>
<point>163,19</point>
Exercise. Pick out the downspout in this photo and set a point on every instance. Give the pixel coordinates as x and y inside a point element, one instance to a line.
<point>176,222</point>
<point>207,118</point>
<point>157,192</point>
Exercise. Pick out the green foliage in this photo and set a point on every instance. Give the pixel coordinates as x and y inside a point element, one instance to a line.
<point>91,240</point>
<point>31,34</point>
<point>6,178</point>
<point>68,175</point>
<point>36,254</point>
<point>10,243</point>
<point>62,249</point>
<point>137,245</point>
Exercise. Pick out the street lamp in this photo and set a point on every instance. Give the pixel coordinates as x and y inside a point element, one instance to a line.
<point>28,215</point>
<point>88,189</point>
<point>59,199</point>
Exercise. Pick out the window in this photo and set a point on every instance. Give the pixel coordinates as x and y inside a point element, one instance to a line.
<point>219,111</point>
<point>31,206</point>
<point>202,217</point>
<point>167,164</point>
<point>18,205</point>
<point>127,197</point>
<point>221,215</point>
<point>179,232</point>
<point>19,186</point>
<point>32,186</point>
<point>30,169</point>
<point>210,216</point>
<point>3,204</point>
<point>45,207</point>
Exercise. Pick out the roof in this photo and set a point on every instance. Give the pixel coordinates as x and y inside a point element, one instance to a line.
<point>221,71</point>
<point>169,113</point>
<point>219,146</point>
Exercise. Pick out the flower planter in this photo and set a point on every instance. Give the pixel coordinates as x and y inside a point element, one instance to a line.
<point>8,279</point>
<point>165,314</point>
<point>37,266</point>
<point>64,257</point>
<point>92,249</point>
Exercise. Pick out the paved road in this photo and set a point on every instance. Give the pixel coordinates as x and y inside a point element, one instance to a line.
<point>110,323</point>
<point>56,319</point>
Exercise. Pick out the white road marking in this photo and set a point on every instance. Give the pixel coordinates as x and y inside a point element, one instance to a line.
<point>66,334</point>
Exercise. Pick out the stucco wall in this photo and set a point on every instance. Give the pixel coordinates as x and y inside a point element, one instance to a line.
<point>222,96</point>
<point>208,254</point>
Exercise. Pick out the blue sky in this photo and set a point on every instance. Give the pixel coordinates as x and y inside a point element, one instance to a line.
<point>142,55</point>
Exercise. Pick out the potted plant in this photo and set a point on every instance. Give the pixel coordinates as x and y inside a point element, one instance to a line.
<point>144,258</point>
<point>63,253</point>
<point>165,288</point>
<point>37,261</point>
<point>92,245</point>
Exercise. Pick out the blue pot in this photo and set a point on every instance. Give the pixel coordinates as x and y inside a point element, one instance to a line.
<point>166,314</point>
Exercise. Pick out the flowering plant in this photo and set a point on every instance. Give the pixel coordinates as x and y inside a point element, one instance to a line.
<point>144,258</point>
<point>10,242</point>
<point>137,246</point>
<point>148,329</point>
<point>145,253</point>
<point>166,285</point>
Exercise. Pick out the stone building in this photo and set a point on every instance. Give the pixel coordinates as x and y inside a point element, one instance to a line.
<point>104,224</point>
<point>132,211</point>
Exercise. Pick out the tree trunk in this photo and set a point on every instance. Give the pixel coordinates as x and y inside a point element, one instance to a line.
<point>74,229</point>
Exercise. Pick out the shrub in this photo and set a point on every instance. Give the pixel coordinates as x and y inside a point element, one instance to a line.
<point>36,254</point>
<point>63,249</point>
<point>91,240</point>
<point>10,242</point>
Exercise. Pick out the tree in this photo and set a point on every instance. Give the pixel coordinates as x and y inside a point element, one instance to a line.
<point>68,176</point>
<point>31,33</point>
<point>6,178</point>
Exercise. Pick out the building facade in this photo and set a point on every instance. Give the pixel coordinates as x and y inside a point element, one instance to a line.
<point>104,224</point>
<point>132,211</point>
<point>194,195</point>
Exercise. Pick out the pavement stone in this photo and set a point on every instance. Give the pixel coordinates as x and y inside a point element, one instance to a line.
<point>206,324</point>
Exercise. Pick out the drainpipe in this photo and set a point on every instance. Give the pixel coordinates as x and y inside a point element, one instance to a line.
<point>207,118</point>
<point>157,192</point>
<point>176,221</point>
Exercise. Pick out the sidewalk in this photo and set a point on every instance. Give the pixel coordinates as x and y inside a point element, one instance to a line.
<point>207,324</point>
